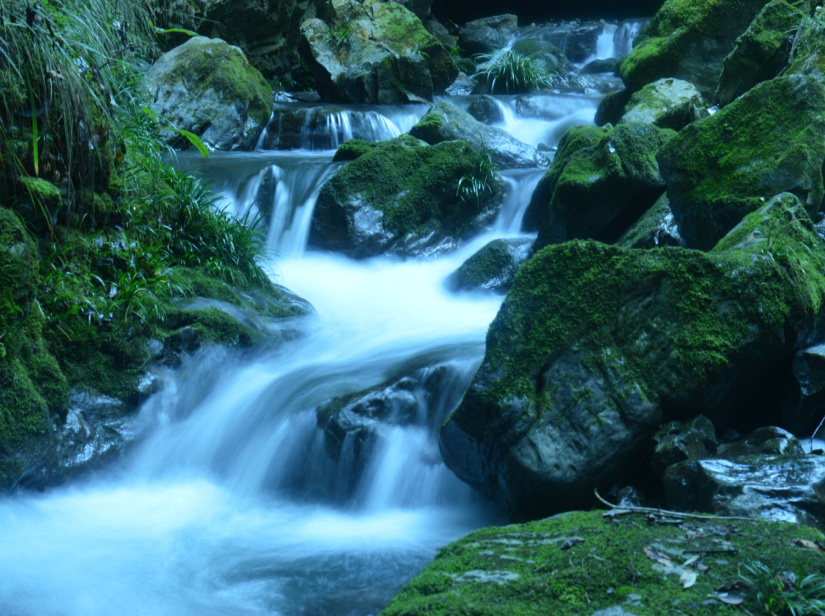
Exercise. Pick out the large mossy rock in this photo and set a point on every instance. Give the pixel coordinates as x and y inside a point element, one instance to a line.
<point>761,52</point>
<point>688,39</point>
<point>766,142</point>
<point>33,390</point>
<point>401,197</point>
<point>667,103</point>
<point>595,346</point>
<point>601,181</point>
<point>593,565</point>
<point>374,52</point>
<point>448,122</point>
<point>208,88</point>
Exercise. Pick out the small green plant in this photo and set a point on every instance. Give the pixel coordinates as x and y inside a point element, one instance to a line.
<point>512,72</point>
<point>785,594</point>
<point>339,35</point>
<point>473,185</point>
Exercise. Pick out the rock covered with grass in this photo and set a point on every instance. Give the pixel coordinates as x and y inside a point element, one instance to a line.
<point>208,87</point>
<point>595,346</point>
<point>404,197</point>
<point>589,564</point>
<point>374,52</point>
<point>765,142</point>
<point>601,181</point>
<point>689,40</point>
<point>448,122</point>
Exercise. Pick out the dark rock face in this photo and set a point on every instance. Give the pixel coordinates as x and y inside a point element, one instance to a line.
<point>595,346</point>
<point>485,110</point>
<point>765,142</point>
<point>804,404</point>
<point>761,52</point>
<point>611,107</point>
<point>493,268</point>
<point>601,181</point>
<point>576,39</point>
<point>689,40</point>
<point>488,34</point>
<point>656,228</point>
<point>448,122</point>
<point>774,487</point>
<point>208,88</point>
<point>676,442</point>
<point>402,198</point>
<point>376,52</point>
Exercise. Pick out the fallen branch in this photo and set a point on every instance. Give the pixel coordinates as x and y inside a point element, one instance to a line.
<point>618,510</point>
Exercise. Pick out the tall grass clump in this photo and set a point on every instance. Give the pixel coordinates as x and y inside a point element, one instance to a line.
<point>511,72</point>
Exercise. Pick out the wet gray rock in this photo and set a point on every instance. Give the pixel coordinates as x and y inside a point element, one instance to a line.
<point>679,441</point>
<point>493,268</point>
<point>654,229</point>
<point>208,87</point>
<point>600,66</point>
<point>763,441</point>
<point>789,488</point>
<point>667,103</point>
<point>488,34</point>
<point>448,122</point>
<point>485,110</point>
<point>611,107</point>
<point>804,404</point>
<point>576,39</point>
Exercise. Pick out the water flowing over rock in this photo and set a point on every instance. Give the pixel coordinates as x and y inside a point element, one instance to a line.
<point>375,52</point>
<point>595,346</point>
<point>689,40</point>
<point>208,88</point>
<point>667,103</point>
<point>601,181</point>
<point>493,268</point>
<point>765,142</point>
<point>761,52</point>
<point>402,198</point>
<point>448,122</point>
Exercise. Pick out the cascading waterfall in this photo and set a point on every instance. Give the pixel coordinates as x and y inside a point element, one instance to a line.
<point>241,498</point>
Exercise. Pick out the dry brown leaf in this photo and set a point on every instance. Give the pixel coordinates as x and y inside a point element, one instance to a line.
<point>659,558</point>
<point>811,545</point>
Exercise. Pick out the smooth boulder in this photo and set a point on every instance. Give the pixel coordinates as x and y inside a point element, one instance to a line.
<point>765,142</point>
<point>655,229</point>
<point>595,346</point>
<point>493,268</point>
<point>447,122</point>
<point>402,198</point>
<point>601,181</point>
<point>374,52</point>
<point>208,87</point>
<point>667,103</point>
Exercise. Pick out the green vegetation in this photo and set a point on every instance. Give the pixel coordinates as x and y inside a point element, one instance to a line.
<point>512,72</point>
<point>583,562</point>
<point>482,179</point>
<point>785,592</point>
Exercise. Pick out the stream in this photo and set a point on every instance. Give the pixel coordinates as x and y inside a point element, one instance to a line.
<point>231,503</point>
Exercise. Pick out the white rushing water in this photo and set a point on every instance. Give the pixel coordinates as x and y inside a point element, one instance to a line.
<point>233,504</point>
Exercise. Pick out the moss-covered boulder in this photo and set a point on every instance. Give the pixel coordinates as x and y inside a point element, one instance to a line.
<point>33,390</point>
<point>493,268</point>
<point>688,39</point>
<point>656,228</point>
<point>208,88</point>
<point>374,52</point>
<point>595,346</point>
<point>402,197</point>
<point>667,103</point>
<point>761,52</point>
<point>448,122</point>
<point>596,565</point>
<point>601,181</point>
<point>765,142</point>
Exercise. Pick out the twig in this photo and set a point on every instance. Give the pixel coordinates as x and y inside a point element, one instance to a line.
<point>677,514</point>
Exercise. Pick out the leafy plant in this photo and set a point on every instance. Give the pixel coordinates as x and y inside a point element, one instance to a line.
<point>339,35</point>
<point>512,72</point>
<point>783,593</point>
<point>481,180</point>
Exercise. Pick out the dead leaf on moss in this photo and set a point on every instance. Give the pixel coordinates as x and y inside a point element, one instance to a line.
<point>659,558</point>
<point>688,578</point>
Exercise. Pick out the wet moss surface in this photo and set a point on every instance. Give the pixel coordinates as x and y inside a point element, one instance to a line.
<point>581,562</point>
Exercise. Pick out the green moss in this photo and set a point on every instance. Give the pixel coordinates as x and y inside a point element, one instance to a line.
<point>765,142</point>
<point>45,192</point>
<point>352,149</point>
<point>490,267</point>
<point>581,562</point>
